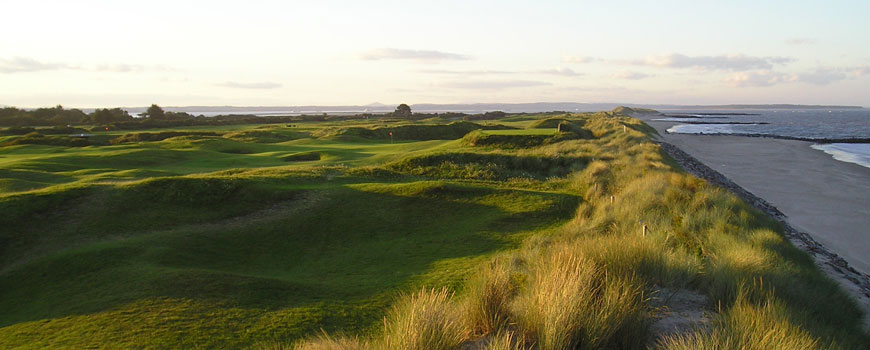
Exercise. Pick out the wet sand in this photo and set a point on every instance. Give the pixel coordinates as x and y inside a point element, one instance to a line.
<point>823,197</point>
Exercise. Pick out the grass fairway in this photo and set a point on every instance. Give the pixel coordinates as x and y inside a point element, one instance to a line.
<point>547,131</point>
<point>157,244</point>
<point>268,237</point>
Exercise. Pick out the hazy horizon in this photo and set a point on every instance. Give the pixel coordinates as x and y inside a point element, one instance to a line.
<point>269,53</point>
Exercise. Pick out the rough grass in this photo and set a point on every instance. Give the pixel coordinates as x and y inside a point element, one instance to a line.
<point>750,326</point>
<point>264,135</point>
<point>488,296</point>
<point>36,138</point>
<point>302,157</point>
<point>158,136</point>
<point>424,320</point>
<point>487,166</point>
<point>584,286</point>
<point>418,132</point>
<point>572,303</point>
<point>411,245</point>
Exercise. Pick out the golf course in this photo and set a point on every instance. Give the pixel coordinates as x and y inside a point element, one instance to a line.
<point>529,231</point>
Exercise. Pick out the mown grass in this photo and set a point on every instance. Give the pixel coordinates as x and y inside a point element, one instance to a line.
<point>245,239</point>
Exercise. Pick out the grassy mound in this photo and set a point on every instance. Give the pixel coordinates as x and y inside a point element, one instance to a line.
<point>56,130</point>
<point>523,139</point>
<point>452,131</point>
<point>302,157</point>
<point>271,135</point>
<point>487,166</point>
<point>548,123</point>
<point>633,110</point>
<point>35,138</point>
<point>281,260</point>
<point>158,136</point>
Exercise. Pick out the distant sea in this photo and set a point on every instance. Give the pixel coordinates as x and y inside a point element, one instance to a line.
<point>826,127</point>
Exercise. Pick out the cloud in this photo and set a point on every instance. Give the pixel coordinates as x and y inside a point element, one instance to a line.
<point>822,76</point>
<point>127,68</point>
<point>565,72</point>
<point>465,72</point>
<point>761,78</point>
<point>427,56</point>
<point>579,59</point>
<point>860,71</point>
<point>493,84</point>
<point>721,62</point>
<point>119,68</point>
<point>25,64</point>
<point>629,75</point>
<point>818,76</point>
<point>800,41</point>
<point>262,85</point>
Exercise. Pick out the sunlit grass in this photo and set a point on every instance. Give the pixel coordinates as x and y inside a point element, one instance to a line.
<point>246,240</point>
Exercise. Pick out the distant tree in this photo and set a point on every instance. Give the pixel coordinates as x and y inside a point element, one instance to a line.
<point>154,112</point>
<point>105,116</point>
<point>55,116</point>
<point>178,116</point>
<point>494,115</point>
<point>402,111</point>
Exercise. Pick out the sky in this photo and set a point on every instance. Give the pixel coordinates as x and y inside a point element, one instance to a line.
<point>284,53</point>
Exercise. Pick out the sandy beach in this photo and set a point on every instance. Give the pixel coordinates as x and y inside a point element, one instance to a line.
<point>821,196</point>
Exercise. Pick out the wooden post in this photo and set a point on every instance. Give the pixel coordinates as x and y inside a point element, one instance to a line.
<point>644,230</point>
<point>611,200</point>
<point>623,128</point>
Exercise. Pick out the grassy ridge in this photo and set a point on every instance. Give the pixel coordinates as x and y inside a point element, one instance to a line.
<point>246,239</point>
<point>586,285</point>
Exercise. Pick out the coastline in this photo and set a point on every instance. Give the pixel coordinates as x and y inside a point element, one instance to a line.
<point>822,203</point>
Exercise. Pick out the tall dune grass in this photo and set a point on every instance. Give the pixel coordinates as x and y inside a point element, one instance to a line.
<point>425,320</point>
<point>488,296</point>
<point>325,342</point>
<point>748,326</point>
<point>573,303</point>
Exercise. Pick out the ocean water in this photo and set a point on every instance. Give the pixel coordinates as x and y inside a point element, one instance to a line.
<point>858,153</point>
<point>822,125</point>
